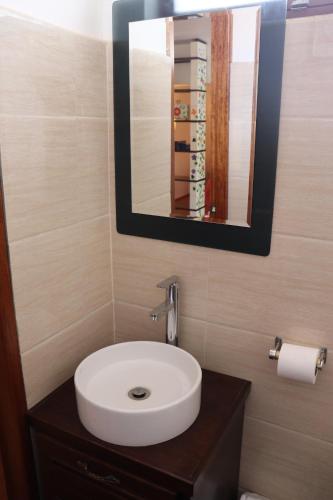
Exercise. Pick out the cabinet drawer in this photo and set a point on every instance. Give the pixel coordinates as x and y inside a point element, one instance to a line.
<point>76,475</point>
<point>60,483</point>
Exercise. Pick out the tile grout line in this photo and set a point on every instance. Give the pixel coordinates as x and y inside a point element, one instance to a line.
<point>287,429</point>
<point>68,327</point>
<point>206,316</point>
<point>299,236</point>
<point>60,228</point>
<point>53,117</point>
<point>108,101</point>
<point>207,323</point>
<point>148,308</point>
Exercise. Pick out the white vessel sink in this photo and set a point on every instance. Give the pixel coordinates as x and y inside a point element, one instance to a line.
<point>138,393</point>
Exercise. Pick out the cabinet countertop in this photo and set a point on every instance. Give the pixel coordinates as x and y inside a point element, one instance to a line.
<point>179,461</point>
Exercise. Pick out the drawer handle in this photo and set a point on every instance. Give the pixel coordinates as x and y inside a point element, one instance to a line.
<point>109,479</point>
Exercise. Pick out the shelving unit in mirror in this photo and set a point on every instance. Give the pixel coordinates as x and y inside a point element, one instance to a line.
<point>189,176</point>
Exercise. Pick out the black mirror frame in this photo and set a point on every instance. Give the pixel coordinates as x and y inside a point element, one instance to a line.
<point>255,239</point>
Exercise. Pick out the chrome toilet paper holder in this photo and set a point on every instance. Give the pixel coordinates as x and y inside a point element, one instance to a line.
<point>275,353</point>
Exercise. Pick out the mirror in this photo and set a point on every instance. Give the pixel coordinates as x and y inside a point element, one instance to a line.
<point>197,90</point>
<point>193,95</point>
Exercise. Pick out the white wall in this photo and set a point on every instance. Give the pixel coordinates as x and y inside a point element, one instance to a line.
<point>88,17</point>
<point>244,29</point>
<point>141,34</point>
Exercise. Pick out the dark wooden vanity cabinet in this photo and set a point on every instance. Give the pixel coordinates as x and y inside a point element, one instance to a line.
<point>200,464</point>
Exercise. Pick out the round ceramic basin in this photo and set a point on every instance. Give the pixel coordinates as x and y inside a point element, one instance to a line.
<point>138,393</point>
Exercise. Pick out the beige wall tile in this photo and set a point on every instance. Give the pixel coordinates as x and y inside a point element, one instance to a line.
<point>304,201</point>
<point>89,67</point>
<point>134,323</point>
<point>301,407</point>
<point>53,361</point>
<point>299,39</point>
<point>309,37</point>
<point>306,142</point>
<point>304,191</point>
<point>31,55</point>
<point>40,173</point>
<point>284,464</point>
<point>55,172</point>
<point>92,149</point>
<point>323,36</point>
<point>289,293</point>
<point>306,89</point>
<point>140,263</point>
<point>59,277</point>
<point>192,337</point>
<point>49,71</point>
<point>308,69</point>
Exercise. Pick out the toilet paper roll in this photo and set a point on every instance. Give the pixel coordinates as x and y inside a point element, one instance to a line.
<point>298,363</point>
<point>252,496</point>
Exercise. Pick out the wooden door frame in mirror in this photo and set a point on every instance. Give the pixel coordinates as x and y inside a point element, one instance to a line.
<point>255,239</point>
<point>16,452</point>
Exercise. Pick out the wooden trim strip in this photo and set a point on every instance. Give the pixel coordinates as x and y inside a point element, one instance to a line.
<point>14,433</point>
<point>218,126</point>
<point>3,488</point>
<point>170,43</point>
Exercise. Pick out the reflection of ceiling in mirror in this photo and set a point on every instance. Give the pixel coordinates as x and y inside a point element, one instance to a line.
<point>244,28</point>
<point>183,6</point>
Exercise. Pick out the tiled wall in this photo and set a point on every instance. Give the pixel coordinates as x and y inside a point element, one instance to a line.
<point>234,304</point>
<point>53,134</point>
<point>54,153</point>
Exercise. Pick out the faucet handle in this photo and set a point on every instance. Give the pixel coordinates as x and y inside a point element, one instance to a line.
<point>171,281</point>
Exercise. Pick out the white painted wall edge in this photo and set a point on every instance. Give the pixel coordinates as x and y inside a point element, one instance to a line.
<point>91,18</point>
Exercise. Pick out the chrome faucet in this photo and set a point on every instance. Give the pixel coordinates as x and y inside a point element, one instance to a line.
<point>169,308</point>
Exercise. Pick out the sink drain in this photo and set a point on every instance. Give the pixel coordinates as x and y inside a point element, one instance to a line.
<point>139,393</point>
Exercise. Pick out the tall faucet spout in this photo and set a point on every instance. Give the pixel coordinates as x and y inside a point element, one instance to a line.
<point>158,311</point>
<point>169,308</point>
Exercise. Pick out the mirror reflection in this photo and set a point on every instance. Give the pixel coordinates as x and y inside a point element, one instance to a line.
<point>193,94</point>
